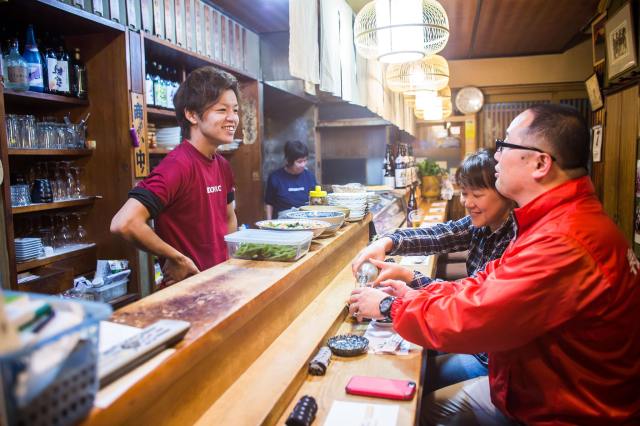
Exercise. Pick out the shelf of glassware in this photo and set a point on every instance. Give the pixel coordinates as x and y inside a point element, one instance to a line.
<point>59,254</point>
<point>38,207</point>
<point>50,152</point>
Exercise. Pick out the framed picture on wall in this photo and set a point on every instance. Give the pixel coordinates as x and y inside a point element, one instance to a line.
<point>598,39</point>
<point>593,91</point>
<point>620,42</point>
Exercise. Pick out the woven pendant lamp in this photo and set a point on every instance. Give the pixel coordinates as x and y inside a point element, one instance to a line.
<point>429,73</point>
<point>396,31</point>
<point>434,106</point>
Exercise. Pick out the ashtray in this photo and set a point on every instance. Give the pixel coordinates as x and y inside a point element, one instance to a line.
<point>348,344</point>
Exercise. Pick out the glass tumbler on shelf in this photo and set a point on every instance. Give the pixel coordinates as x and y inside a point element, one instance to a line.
<point>20,195</point>
<point>68,178</point>
<point>64,236</point>
<point>28,132</point>
<point>80,235</point>
<point>13,131</point>
<point>61,135</point>
<point>79,188</point>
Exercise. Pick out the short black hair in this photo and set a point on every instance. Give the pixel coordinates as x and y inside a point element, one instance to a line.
<point>294,150</point>
<point>202,88</point>
<point>565,131</point>
<point>478,170</point>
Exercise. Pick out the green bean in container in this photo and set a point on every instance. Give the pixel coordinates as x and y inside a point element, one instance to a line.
<point>259,251</point>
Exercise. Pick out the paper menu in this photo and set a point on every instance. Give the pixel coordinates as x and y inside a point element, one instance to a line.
<point>362,414</point>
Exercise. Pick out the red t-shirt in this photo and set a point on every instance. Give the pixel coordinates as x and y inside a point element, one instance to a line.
<point>194,192</point>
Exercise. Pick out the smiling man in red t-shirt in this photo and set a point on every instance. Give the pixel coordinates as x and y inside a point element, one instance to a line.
<point>190,193</point>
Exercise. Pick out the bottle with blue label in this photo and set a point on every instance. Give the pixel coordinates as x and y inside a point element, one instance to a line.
<point>34,62</point>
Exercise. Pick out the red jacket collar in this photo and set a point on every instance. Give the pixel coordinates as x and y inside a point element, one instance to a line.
<point>538,207</point>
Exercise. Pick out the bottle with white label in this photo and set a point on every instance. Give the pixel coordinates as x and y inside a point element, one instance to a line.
<point>34,62</point>
<point>17,69</point>
<point>148,88</point>
<point>62,70</point>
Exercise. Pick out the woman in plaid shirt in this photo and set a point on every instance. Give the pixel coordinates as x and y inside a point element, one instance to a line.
<point>486,232</point>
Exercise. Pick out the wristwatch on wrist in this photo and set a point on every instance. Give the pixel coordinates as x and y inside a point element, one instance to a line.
<point>385,306</point>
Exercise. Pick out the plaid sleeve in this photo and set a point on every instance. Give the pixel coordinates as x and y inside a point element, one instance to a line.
<point>451,236</point>
<point>419,280</point>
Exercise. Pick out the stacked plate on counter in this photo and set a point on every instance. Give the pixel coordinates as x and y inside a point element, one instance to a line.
<point>356,202</point>
<point>28,248</point>
<point>168,137</point>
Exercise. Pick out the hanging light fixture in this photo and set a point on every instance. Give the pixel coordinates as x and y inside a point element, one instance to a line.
<point>429,73</point>
<point>433,106</point>
<point>395,31</point>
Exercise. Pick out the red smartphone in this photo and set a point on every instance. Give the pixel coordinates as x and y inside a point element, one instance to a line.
<point>380,387</point>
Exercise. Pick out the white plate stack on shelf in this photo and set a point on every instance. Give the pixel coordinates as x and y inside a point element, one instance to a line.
<point>168,137</point>
<point>356,202</point>
<point>28,248</point>
<point>230,147</point>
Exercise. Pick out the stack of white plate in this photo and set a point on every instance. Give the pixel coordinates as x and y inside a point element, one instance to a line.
<point>168,137</point>
<point>28,248</point>
<point>356,202</point>
<point>372,198</point>
<point>230,147</point>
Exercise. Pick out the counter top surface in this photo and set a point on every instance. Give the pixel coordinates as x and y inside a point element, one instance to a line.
<point>213,296</point>
<point>226,305</point>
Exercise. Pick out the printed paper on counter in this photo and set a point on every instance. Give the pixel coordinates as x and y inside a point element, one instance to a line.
<point>356,413</point>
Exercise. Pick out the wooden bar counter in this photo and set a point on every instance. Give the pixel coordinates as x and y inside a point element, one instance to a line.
<point>228,369</point>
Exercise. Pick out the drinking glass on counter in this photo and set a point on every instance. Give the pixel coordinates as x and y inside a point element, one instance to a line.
<point>415,218</point>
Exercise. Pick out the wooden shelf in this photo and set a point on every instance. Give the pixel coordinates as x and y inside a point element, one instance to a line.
<point>57,17</point>
<point>31,264</point>
<point>160,114</point>
<point>167,52</point>
<point>50,152</point>
<point>159,151</point>
<point>53,206</point>
<point>41,99</point>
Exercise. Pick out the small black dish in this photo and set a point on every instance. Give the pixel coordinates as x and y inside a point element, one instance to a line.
<point>348,344</point>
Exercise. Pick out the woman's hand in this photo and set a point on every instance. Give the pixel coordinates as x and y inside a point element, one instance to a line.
<point>376,251</point>
<point>392,271</point>
<point>394,288</point>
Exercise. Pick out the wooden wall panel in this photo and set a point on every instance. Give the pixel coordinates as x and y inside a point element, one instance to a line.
<point>627,168</point>
<point>611,155</point>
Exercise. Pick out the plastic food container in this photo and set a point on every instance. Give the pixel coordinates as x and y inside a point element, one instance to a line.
<point>108,292</point>
<point>258,244</point>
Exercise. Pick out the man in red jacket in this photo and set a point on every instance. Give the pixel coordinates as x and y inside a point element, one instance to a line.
<point>557,313</point>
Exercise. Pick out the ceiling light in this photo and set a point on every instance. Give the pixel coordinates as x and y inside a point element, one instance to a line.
<point>429,73</point>
<point>395,31</point>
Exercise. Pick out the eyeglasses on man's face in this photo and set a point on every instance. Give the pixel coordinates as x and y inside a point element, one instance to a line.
<point>501,144</point>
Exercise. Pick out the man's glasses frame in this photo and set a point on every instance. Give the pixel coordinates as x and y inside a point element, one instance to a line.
<point>500,144</point>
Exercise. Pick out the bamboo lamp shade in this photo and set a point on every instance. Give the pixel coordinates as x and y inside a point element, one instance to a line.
<point>429,73</point>
<point>396,31</point>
